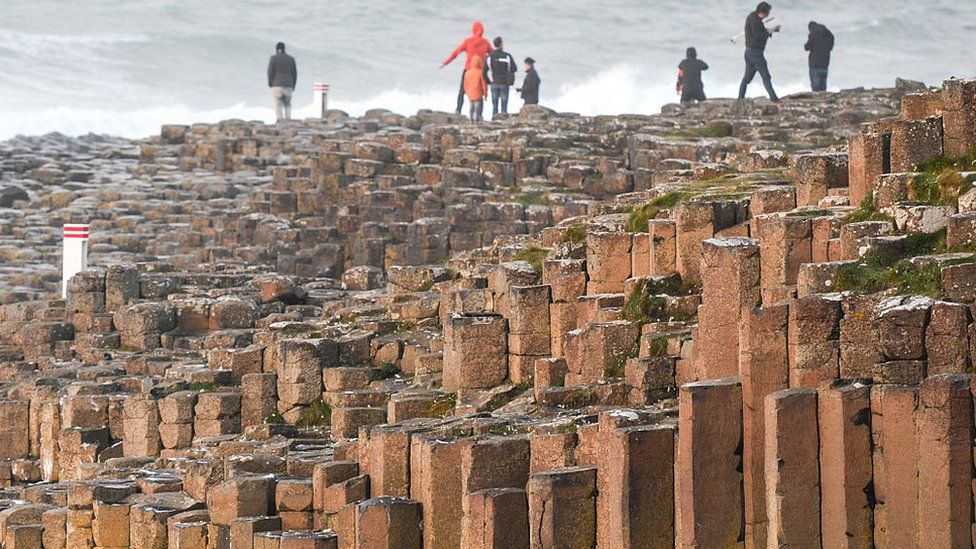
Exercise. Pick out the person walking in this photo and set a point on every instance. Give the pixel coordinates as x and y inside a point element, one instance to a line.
<point>690,84</point>
<point>473,46</point>
<point>503,69</point>
<point>476,88</point>
<point>530,86</point>
<point>282,76</point>
<point>819,44</point>
<point>756,36</point>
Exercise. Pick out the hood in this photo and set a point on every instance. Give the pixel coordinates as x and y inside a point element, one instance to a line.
<point>478,29</point>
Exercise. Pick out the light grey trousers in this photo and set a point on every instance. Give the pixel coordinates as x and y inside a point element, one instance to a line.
<point>282,97</point>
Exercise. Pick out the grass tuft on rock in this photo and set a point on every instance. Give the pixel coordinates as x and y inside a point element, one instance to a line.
<point>940,181</point>
<point>647,301</point>
<point>532,198</point>
<point>535,255</point>
<point>386,370</point>
<point>878,272</point>
<point>442,406</point>
<point>318,414</point>
<point>865,212</point>
<point>719,128</point>
<point>640,215</point>
<point>274,418</point>
<point>575,234</point>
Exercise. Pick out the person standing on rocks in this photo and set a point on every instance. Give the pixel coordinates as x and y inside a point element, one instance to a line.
<point>819,44</point>
<point>503,69</point>
<point>756,36</point>
<point>530,86</point>
<point>690,84</point>
<point>476,88</point>
<point>473,46</point>
<point>282,76</point>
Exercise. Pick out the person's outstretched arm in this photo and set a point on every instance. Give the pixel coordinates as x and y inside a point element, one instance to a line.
<point>454,54</point>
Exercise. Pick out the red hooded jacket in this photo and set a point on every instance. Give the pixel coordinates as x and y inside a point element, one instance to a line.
<point>474,46</point>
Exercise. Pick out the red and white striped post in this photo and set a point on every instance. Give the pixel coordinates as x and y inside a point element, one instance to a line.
<point>320,98</point>
<point>75,257</point>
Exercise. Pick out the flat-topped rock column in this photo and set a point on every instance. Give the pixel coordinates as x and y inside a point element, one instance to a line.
<point>945,461</point>
<point>764,363</point>
<point>791,469</point>
<point>894,429</point>
<point>528,330</point>
<point>709,469</point>
<point>562,508</point>
<point>730,276</point>
<point>635,506</point>
<point>846,491</point>
<point>475,351</point>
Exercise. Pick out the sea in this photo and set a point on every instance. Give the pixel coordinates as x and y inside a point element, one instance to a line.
<point>125,67</point>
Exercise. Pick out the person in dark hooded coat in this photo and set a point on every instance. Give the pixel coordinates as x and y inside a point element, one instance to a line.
<point>819,44</point>
<point>690,84</point>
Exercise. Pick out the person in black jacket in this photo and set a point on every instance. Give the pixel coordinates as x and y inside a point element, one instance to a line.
<point>756,36</point>
<point>690,84</point>
<point>819,44</point>
<point>502,76</point>
<point>530,86</point>
<point>282,76</point>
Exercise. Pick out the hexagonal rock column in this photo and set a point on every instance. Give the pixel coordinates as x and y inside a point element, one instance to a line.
<point>567,281</point>
<point>764,363</point>
<point>792,474</point>
<point>562,508</point>
<point>499,519</point>
<point>945,461</point>
<point>435,481</point>
<point>709,466</point>
<point>846,492</point>
<point>785,243</point>
<point>608,261</point>
<point>813,339</point>
<point>914,142</point>
<point>959,116</point>
<point>635,505</point>
<point>475,351</point>
<point>730,276</point>
<point>816,174</point>
<point>490,462</point>
<point>528,326</point>
<point>388,523</point>
<point>895,435</point>
<point>868,157</point>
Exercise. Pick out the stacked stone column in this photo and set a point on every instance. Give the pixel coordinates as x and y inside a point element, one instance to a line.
<point>730,274</point>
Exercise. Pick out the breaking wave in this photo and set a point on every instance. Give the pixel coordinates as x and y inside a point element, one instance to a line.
<point>619,89</point>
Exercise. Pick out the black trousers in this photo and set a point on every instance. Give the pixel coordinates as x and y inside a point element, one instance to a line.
<point>689,95</point>
<point>756,62</point>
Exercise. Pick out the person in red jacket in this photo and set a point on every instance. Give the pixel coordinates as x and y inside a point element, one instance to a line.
<point>475,46</point>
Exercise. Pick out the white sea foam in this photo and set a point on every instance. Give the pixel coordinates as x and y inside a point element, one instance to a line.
<point>620,89</point>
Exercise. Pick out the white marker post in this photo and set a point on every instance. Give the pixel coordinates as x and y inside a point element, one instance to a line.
<point>75,258</point>
<point>320,98</point>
